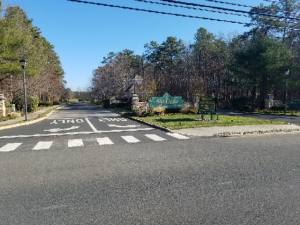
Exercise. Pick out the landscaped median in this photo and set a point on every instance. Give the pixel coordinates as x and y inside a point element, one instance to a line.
<point>179,121</point>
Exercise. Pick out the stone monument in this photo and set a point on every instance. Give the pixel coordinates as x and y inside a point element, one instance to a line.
<point>2,106</point>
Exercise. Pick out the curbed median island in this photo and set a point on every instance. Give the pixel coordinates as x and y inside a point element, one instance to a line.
<point>176,122</point>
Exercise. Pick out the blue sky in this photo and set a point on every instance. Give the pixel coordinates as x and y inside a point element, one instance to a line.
<point>83,34</point>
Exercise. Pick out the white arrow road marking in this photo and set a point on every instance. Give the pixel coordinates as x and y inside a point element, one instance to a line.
<point>10,147</point>
<point>58,129</point>
<point>129,126</point>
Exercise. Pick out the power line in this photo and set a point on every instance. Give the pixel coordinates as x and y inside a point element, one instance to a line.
<point>165,13</point>
<point>207,10</point>
<point>233,10</point>
<point>248,6</point>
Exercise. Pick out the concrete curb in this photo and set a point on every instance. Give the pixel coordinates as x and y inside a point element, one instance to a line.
<point>143,122</point>
<point>30,122</point>
<point>259,132</point>
<point>263,114</point>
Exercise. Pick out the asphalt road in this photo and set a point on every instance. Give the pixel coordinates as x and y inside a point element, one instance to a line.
<point>249,180</point>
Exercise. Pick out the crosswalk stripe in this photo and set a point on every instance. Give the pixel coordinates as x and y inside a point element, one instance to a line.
<point>178,136</point>
<point>75,143</point>
<point>130,139</point>
<point>43,145</point>
<point>10,147</point>
<point>104,141</point>
<point>155,137</point>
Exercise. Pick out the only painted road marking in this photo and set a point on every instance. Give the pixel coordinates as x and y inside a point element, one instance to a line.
<point>130,139</point>
<point>75,143</point>
<point>104,141</point>
<point>10,147</point>
<point>155,137</point>
<point>43,145</point>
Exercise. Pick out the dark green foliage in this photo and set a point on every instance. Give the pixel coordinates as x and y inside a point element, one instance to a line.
<point>7,103</point>
<point>192,111</point>
<point>243,104</point>
<point>56,103</point>
<point>150,113</point>
<point>277,108</point>
<point>172,110</point>
<point>32,103</point>
<point>118,105</point>
<point>45,103</point>
<point>82,100</point>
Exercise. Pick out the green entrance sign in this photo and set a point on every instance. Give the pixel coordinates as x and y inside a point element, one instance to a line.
<point>166,101</point>
<point>207,104</point>
<point>295,104</point>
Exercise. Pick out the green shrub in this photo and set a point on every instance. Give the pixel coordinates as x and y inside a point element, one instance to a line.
<point>46,103</point>
<point>243,104</point>
<point>192,111</point>
<point>150,113</point>
<point>32,103</point>
<point>118,105</point>
<point>7,103</point>
<point>172,110</point>
<point>277,108</point>
<point>56,103</point>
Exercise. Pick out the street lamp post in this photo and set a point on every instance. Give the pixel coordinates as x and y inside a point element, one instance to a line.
<point>286,71</point>
<point>217,94</point>
<point>23,64</point>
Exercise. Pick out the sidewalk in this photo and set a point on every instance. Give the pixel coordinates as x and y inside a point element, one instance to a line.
<point>7,123</point>
<point>238,130</point>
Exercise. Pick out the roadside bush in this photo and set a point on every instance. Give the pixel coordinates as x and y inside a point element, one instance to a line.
<point>149,113</point>
<point>192,111</point>
<point>32,103</point>
<point>46,103</point>
<point>243,104</point>
<point>277,108</point>
<point>159,110</point>
<point>56,103</point>
<point>118,105</point>
<point>172,110</point>
<point>7,103</point>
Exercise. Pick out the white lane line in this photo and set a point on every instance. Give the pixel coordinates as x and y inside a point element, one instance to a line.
<point>130,139</point>
<point>104,141</point>
<point>91,125</point>
<point>10,147</point>
<point>75,143</point>
<point>178,136</point>
<point>43,145</point>
<point>154,137</point>
<point>74,133</point>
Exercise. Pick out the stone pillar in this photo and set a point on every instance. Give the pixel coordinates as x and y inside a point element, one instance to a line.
<point>2,106</point>
<point>134,101</point>
<point>269,101</point>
